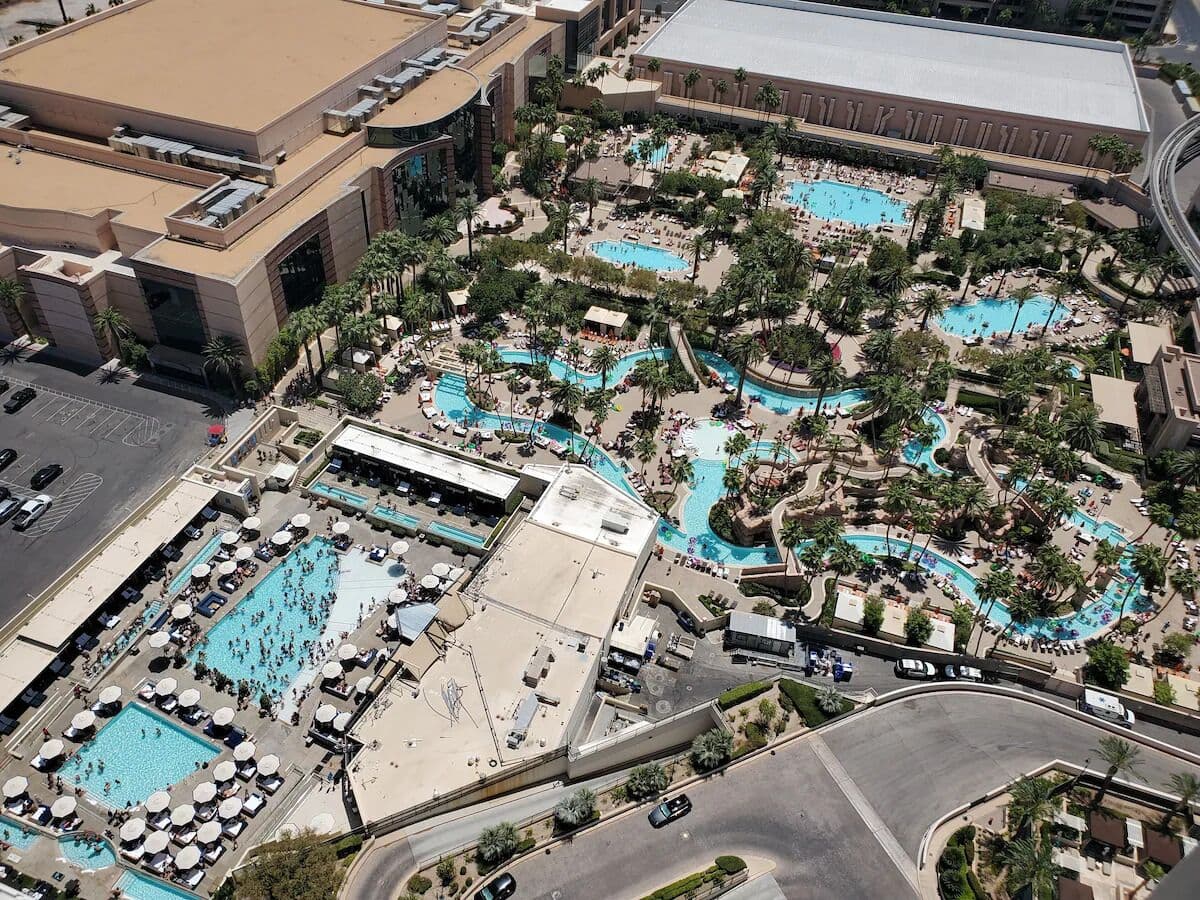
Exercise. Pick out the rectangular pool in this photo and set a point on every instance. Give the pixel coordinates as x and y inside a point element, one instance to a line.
<point>140,887</point>
<point>16,834</point>
<point>137,753</point>
<point>333,492</point>
<point>407,520</point>
<point>180,581</point>
<point>454,533</point>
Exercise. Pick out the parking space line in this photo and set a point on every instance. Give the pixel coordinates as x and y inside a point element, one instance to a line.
<point>133,428</point>
<point>66,503</point>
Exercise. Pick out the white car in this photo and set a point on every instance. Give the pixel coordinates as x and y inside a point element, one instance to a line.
<point>916,669</point>
<point>956,672</point>
<point>31,511</point>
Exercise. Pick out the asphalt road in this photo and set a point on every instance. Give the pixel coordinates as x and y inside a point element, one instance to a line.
<point>117,442</point>
<point>842,813</point>
<point>1186,17</point>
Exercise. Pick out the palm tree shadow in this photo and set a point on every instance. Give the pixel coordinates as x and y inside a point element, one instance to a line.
<point>113,375</point>
<point>12,353</point>
<point>950,546</point>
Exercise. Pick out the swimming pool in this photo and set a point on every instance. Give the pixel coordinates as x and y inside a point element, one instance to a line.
<point>340,494</point>
<point>407,520</point>
<point>184,575</point>
<point>141,887</point>
<point>86,854</point>
<point>920,454</point>
<point>992,315</point>
<point>454,533</point>
<point>657,155</point>
<point>846,202</point>
<point>563,370</point>
<point>644,256</point>
<point>778,401</point>
<point>265,639</point>
<point>17,835</point>
<point>137,753</point>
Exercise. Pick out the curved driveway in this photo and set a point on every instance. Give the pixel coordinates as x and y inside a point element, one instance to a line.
<point>841,813</point>
<point>1171,214</point>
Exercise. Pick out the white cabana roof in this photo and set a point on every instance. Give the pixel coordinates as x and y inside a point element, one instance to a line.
<point>63,806</point>
<point>225,770</point>
<point>156,842</point>
<point>609,318</point>
<point>204,792</point>
<point>110,694</point>
<point>223,716</point>
<point>183,814</point>
<point>268,765</point>
<point>158,801</point>
<point>1114,401</point>
<point>83,720</point>
<point>16,786</point>
<point>133,829</point>
<point>189,698</point>
<point>244,751</point>
<point>230,808</point>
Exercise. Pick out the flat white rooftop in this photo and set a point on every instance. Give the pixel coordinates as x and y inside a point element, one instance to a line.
<point>1047,76</point>
<point>581,504</point>
<point>427,461</point>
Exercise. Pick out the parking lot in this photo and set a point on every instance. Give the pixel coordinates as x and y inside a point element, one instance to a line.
<point>116,441</point>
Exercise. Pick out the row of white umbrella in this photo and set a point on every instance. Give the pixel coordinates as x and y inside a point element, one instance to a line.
<point>328,714</point>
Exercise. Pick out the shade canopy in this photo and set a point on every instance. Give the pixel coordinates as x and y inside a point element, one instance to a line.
<point>209,833</point>
<point>252,523</point>
<point>398,596</point>
<point>341,721</point>
<point>204,792</point>
<point>181,611</point>
<point>133,829</point>
<point>188,857</point>
<point>52,749</point>
<point>347,652</point>
<point>430,582</point>
<point>322,823</point>
<point>399,548</point>
<point>158,640</point>
<point>243,553</point>
<point>301,520</point>
<point>166,687</point>
<point>63,806</point>
<point>325,713</point>
<point>230,538</point>
<point>83,720</point>
<point>281,538</point>
<point>183,814</point>
<point>158,801</point>
<point>364,684</point>
<point>201,571</point>
<point>441,570</point>
<point>189,698</point>
<point>230,808</point>
<point>223,716</point>
<point>225,770</point>
<point>156,842</point>
<point>341,527</point>
<point>268,765</point>
<point>110,694</point>
<point>227,568</point>
<point>244,751</point>
<point>331,670</point>
<point>16,786</point>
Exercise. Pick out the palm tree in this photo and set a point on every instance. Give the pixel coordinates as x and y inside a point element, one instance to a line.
<point>223,353</point>
<point>681,471</point>
<point>567,397</point>
<point>605,359</point>
<point>791,535</point>
<point>654,65</point>
<point>1081,427</point>
<point>826,374</point>
<point>930,302</point>
<point>440,229</point>
<point>444,274</point>
<point>1031,863</point>
<point>739,78</point>
<point>470,211</point>
<point>744,351</point>
<point>589,192</point>
<point>305,325</point>
<point>689,83</point>
<point>1120,756</point>
<point>409,251</point>
<point>1107,555</point>
<point>1031,801</point>
<point>563,217</point>
<point>998,585</point>
<point>335,305</point>
<point>1150,564</point>
<point>697,246</point>
<point>113,324</point>
<point>1184,467</point>
<point>721,87</point>
<point>1187,786</point>
<point>1021,295</point>
<point>11,294</point>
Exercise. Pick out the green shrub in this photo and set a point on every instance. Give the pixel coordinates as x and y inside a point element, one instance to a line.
<point>742,693</point>
<point>360,391</point>
<point>1164,694</point>
<point>873,610</point>
<point>1107,665</point>
<point>803,699</point>
<point>419,884</point>
<point>348,845</point>
<point>646,781</point>
<point>730,865</point>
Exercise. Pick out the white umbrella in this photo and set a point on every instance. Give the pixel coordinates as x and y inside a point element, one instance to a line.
<point>268,765</point>
<point>188,858</point>
<point>158,801</point>
<point>230,538</point>
<point>110,694</point>
<point>52,749</point>
<point>225,770</point>
<point>63,806</point>
<point>228,567</point>
<point>441,570</point>
<point>156,842</point>
<point>166,687</point>
<point>253,523</point>
<point>223,716</point>
<point>281,538</point>
<point>364,684</point>
<point>181,611</point>
<point>341,527</point>
<point>398,596</point>
<point>430,582</point>
<point>331,670</point>
<point>204,792</point>
<point>209,833</point>
<point>201,571</point>
<point>301,520</point>
<point>16,786</point>
<point>158,640</point>
<point>183,814</point>
<point>347,652</point>
<point>243,553</point>
<point>399,548</point>
<point>230,808</point>
<point>341,722</point>
<point>244,751</point>
<point>133,829</point>
<point>83,720</point>
<point>325,713</point>
<point>189,698</point>
<point>322,823</point>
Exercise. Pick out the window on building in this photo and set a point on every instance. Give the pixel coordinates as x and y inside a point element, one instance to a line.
<point>302,275</point>
<point>176,315</point>
<point>420,190</point>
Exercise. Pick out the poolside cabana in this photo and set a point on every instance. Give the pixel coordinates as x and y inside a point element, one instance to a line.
<point>244,751</point>
<point>158,802</point>
<point>158,640</point>
<point>15,787</point>
<point>226,770</point>
<point>133,830</point>
<point>223,717</point>
<point>605,322</point>
<point>230,808</point>
<point>204,792</point>
<point>156,842</point>
<point>230,538</point>
<point>1117,408</point>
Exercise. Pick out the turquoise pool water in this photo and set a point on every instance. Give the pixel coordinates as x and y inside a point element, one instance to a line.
<point>992,315</point>
<point>846,202</point>
<point>659,155</point>
<point>184,575</point>
<point>454,533</point>
<point>563,370</point>
<point>919,454</point>
<point>17,835</point>
<point>266,638</point>
<point>140,887</point>
<point>644,256</point>
<point>776,400</point>
<point>87,854</point>
<point>137,753</point>
<point>407,520</point>
<point>334,492</point>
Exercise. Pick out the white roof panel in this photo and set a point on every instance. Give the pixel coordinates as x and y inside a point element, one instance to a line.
<point>1048,76</point>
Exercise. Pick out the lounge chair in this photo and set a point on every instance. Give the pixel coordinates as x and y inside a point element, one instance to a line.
<point>194,715</point>
<point>233,828</point>
<point>146,691</point>
<point>193,878</point>
<point>256,802</point>
<point>158,863</point>
<point>184,836</point>
<point>169,704</point>
<point>161,822</point>
<point>247,770</point>
<point>270,783</point>
<point>133,854</point>
<point>213,853</point>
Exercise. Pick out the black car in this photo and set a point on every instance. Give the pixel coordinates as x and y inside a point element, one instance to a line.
<point>45,475</point>
<point>498,888</point>
<point>19,399</point>
<point>3,386</point>
<point>670,810</point>
<point>7,456</point>
<point>5,493</point>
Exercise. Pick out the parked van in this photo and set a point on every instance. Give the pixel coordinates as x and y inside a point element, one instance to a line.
<point>1105,706</point>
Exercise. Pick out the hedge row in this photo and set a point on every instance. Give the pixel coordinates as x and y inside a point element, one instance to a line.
<point>742,693</point>
<point>803,700</point>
